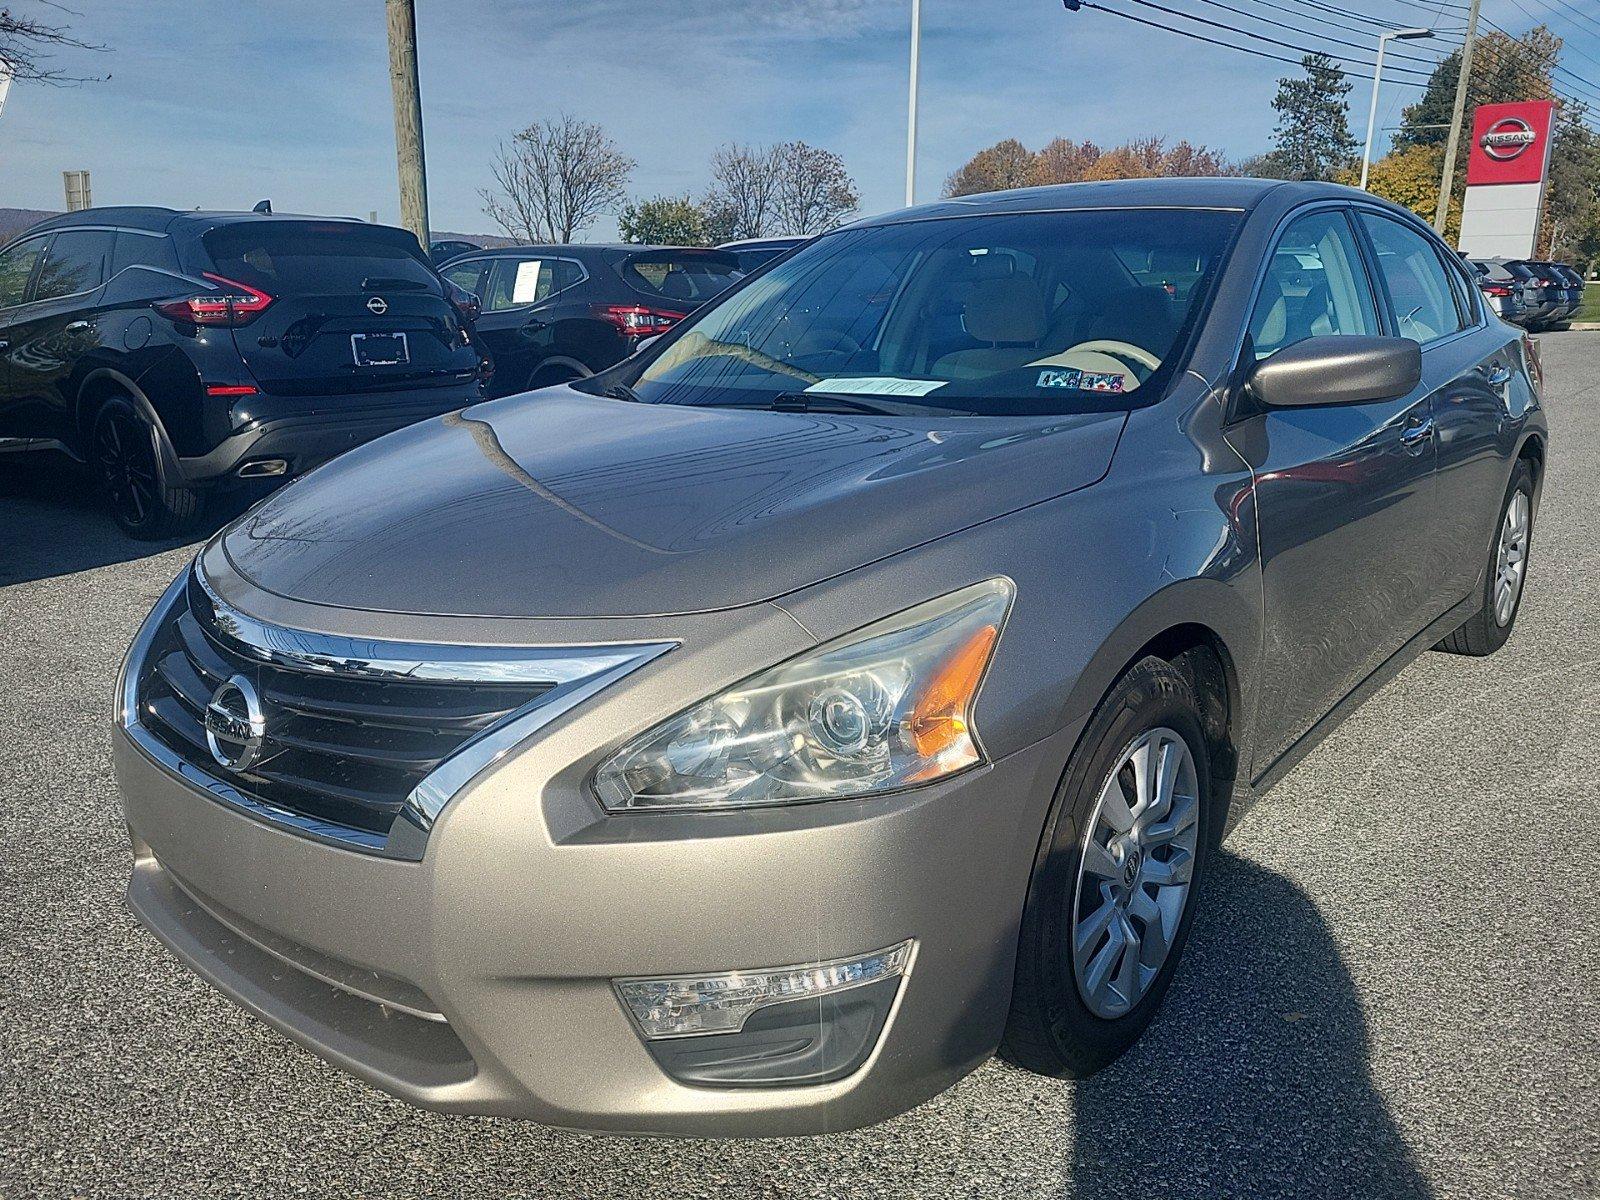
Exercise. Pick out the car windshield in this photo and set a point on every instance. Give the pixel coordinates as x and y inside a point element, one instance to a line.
<point>995,315</point>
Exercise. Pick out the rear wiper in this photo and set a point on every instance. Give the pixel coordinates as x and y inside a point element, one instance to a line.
<point>383,283</point>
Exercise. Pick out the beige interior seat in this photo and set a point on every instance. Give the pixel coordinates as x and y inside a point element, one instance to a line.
<point>1008,312</point>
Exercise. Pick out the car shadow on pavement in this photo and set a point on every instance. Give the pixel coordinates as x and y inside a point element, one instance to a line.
<point>54,522</point>
<point>1253,1081</point>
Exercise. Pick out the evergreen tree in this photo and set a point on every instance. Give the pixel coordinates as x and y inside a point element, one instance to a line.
<point>1312,140</point>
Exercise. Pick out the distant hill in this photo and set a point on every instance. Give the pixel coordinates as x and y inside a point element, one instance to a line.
<point>14,220</point>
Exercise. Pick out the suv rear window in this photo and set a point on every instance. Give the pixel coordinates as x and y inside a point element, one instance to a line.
<point>292,258</point>
<point>681,274</point>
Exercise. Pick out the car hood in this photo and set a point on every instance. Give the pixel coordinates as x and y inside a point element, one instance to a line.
<point>558,503</point>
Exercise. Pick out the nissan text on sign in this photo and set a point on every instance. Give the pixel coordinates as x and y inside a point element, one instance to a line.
<point>1507,166</point>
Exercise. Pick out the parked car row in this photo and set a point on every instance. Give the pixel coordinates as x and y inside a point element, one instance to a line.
<point>186,354</point>
<point>1535,294</point>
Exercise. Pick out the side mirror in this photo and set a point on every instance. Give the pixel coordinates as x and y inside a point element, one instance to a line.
<point>1339,369</point>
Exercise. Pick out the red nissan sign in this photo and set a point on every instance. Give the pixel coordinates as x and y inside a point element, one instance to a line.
<point>1510,142</point>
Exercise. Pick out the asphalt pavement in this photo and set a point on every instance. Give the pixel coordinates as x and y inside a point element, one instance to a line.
<point>1393,988</point>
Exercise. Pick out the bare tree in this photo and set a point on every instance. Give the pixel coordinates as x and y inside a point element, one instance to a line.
<point>27,45</point>
<point>743,193</point>
<point>555,178</point>
<point>814,192</point>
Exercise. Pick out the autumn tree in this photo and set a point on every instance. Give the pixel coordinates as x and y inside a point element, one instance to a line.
<point>1409,176</point>
<point>1006,164</point>
<point>555,178</point>
<point>815,192</point>
<point>742,198</point>
<point>665,221</point>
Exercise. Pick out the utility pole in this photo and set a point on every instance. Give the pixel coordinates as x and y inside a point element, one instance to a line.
<point>911,110</point>
<point>1447,179</point>
<point>408,117</point>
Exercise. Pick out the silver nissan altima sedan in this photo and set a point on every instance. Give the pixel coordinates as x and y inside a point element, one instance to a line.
<point>854,683</point>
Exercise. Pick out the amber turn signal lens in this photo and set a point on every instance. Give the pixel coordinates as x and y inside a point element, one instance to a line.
<point>940,719</point>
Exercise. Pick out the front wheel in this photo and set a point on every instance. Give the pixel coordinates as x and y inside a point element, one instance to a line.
<point>141,499</point>
<point>1113,891</point>
<point>1507,569</point>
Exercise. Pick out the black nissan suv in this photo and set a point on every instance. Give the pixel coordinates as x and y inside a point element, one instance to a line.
<point>557,313</point>
<point>179,353</point>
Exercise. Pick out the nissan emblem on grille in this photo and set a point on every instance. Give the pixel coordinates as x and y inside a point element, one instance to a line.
<point>378,306</point>
<point>235,724</point>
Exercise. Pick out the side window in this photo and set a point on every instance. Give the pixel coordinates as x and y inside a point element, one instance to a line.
<point>16,268</point>
<point>467,276</point>
<point>1314,286</point>
<point>517,281</point>
<point>76,262</point>
<point>567,274</point>
<point>1424,306</point>
<point>142,250</point>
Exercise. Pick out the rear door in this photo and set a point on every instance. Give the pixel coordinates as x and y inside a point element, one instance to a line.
<point>1347,514</point>
<point>50,335</point>
<point>355,309</point>
<point>1474,368</point>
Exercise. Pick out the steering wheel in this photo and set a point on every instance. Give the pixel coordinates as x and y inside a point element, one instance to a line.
<point>1126,350</point>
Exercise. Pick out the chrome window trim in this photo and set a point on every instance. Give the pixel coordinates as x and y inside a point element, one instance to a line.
<point>577,673</point>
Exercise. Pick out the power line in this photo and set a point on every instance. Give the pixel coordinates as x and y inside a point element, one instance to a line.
<point>1430,62</point>
<point>1539,20</point>
<point>1200,37</point>
<point>1261,37</point>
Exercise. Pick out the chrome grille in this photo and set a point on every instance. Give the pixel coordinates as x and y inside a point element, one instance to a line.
<point>341,748</point>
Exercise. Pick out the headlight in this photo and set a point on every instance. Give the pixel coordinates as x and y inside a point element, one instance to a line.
<point>880,709</point>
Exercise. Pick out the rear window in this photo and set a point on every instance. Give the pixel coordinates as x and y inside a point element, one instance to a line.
<point>316,258</point>
<point>681,275</point>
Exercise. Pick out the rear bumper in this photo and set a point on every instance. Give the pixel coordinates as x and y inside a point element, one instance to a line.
<point>480,978</point>
<point>314,430</point>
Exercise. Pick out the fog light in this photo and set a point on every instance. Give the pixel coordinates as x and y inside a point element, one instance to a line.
<point>686,1005</point>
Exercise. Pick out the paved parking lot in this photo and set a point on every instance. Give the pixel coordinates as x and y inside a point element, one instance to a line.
<point>1392,990</point>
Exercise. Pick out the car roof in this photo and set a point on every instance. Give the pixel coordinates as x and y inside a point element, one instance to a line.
<point>1228,192</point>
<point>573,249</point>
<point>763,243</point>
<point>160,220</point>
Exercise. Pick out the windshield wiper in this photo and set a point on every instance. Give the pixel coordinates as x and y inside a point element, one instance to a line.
<point>832,402</point>
<point>621,391</point>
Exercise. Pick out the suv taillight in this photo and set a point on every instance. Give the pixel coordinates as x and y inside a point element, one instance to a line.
<point>637,320</point>
<point>238,304</point>
<point>464,302</point>
<point>1496,289</point>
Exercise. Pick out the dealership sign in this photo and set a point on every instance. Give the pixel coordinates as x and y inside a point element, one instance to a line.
<point>1508,161</point>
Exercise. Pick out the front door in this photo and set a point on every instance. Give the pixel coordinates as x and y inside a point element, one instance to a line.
<point>1345,501</point>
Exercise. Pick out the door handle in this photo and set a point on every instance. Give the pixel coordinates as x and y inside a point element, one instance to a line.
<point>78,326</point>
<point>1496,374</point>
<point>532,327</point>
<point>1415,438</point>
<point>4,346</point>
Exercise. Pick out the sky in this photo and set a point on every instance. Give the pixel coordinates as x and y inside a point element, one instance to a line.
<point>218,105</point>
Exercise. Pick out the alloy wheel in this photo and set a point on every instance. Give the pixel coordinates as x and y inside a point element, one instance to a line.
<point>1511,558</point>
<point>1135,872</point>
<point>126,458</point>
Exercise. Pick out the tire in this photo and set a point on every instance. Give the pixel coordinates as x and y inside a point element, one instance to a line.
<point>133,479</point>
<point>549,376</point>
<point>1052,1028</point>
<point>1487,629</point>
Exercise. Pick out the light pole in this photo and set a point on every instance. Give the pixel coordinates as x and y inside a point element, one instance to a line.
<point>1403,35</point>
<point>911,109</point>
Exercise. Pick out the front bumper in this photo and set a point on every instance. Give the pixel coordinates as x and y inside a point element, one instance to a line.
<point>479,979</point>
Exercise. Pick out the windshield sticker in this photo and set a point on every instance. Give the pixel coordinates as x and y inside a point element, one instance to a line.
<point>1083,381</point>
<point>881,385</point>
<point>1059,378</point>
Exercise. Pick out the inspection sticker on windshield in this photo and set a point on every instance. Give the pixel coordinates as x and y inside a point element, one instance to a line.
<point>877,385</point>
<point>1083,381</point>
